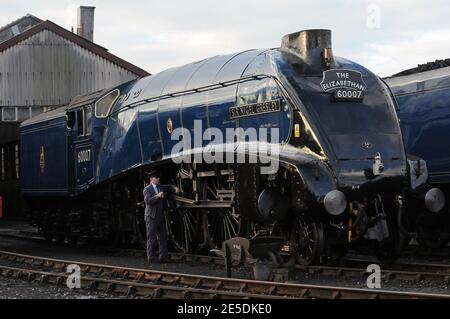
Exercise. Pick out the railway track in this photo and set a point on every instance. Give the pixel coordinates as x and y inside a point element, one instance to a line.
<point>427,275</point>
<point>355,268</point>
<point>409,271</point>
<point>157,284</point>
<point>439,254</point>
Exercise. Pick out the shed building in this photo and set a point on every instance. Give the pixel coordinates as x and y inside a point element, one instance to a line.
<point>42,67</point>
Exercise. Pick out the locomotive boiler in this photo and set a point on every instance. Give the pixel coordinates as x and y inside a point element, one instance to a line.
<point>423,97</point>
<point>333,177</point>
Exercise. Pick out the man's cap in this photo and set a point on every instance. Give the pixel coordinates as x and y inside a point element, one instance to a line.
<point>153,174</point>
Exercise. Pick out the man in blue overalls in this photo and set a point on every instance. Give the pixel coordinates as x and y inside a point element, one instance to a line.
<point>155,205</point>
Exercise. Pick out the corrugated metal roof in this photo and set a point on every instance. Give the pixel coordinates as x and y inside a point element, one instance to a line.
<point>82,42</point>
<point>18,26</point>
<point>47,69</point>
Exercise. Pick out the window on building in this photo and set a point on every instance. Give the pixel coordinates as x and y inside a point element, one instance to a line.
<point>23,113</point>
<point>16,161</point>
<point>20,114</point>
<point>9,113</point>
<point>104,104</point>
<point>36,110</point>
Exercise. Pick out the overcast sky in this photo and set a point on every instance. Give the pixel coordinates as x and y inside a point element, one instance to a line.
<point>384,35</point>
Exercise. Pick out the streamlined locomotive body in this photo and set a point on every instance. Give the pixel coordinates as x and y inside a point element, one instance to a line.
<point>291,141</point>
<point>423,98</point>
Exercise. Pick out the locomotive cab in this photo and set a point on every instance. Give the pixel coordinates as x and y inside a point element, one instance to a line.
<point>85,126</point>
<point>87,116</point>
<point>79,124</point>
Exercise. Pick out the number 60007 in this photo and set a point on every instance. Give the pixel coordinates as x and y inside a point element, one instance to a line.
<point>348,94</point>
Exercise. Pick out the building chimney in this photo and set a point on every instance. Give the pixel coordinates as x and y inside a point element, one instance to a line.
<point>85,26</point>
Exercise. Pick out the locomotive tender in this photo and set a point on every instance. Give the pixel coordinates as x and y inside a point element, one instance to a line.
<point>342,171</point>
<point>423,99</point>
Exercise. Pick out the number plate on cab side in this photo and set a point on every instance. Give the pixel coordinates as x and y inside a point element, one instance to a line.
<point>344,85</point>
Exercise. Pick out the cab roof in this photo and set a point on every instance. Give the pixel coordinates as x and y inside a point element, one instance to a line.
<point>46,116</point>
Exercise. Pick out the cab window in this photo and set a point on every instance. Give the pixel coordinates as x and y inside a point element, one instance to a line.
<point>71,120</point>
<point>88,120</point>
<point>80,122</point>
<point>105,103</point>
<point>84,121</point>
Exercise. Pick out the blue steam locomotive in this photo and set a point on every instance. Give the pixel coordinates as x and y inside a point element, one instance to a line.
<point>423,98</point>
<point>304,145</point>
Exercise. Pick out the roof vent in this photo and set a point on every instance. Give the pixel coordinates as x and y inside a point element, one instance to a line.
<point>312,46</point>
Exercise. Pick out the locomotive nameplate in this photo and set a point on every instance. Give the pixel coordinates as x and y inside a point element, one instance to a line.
<point>255,109</point>
<point>345,85</point>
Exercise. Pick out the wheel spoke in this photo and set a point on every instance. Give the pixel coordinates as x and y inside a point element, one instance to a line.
<point>182,229</point>
<point>222,226</point>
<point>189,219</point>
<point>308,241</point>
<point>235,225</point>
<point>186,233</point>
<point>228,222</point>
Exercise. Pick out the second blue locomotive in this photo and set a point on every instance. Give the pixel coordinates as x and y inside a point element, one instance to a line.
<point>423,97</point>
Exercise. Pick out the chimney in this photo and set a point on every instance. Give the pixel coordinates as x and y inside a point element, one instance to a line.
<point>312,46</point>
<point>85,26</point>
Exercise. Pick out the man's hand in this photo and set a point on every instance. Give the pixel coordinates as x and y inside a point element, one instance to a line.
<point>160,195</point>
